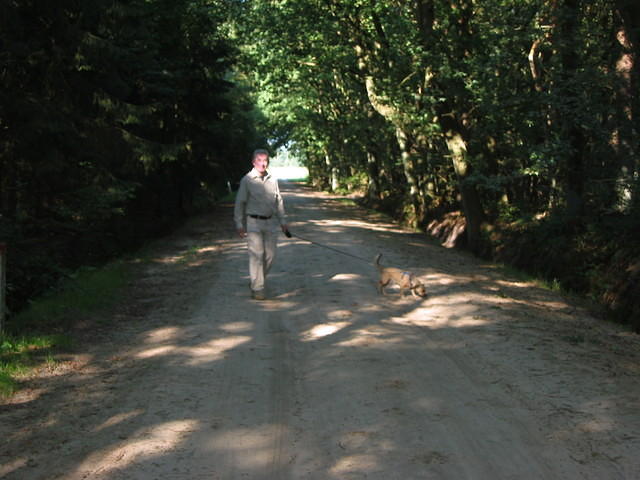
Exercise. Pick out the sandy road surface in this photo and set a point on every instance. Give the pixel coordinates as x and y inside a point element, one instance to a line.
<point>487,378</point>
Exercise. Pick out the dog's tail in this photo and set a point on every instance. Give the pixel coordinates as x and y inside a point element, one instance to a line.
<point>377,260</point>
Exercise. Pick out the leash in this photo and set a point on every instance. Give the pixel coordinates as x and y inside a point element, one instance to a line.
<point>289,235</point>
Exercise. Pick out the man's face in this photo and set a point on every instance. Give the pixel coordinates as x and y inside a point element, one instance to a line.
<point>260,163</point>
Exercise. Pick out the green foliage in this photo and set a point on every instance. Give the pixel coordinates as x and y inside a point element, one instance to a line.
<point>83,291</point>
<point>354,183</point>
<point>531,91</point>
<point>116,118</point>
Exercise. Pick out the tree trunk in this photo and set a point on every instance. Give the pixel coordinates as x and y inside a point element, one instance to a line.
<point>573,170</point>
<point>425,16</point>
<point>627,68</point>
<point>449,116</point>
<point>408,164</point>
<point>471,202</point>
<point>373,170</point>
<point>333,171</point>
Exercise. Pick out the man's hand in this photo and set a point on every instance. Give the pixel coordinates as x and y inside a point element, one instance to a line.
<point>242,232</point>
<point>285,230</point>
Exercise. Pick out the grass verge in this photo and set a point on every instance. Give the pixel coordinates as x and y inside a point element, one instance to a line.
<point>20,355</point>
<point>87,290</point>
<point>35,335</point>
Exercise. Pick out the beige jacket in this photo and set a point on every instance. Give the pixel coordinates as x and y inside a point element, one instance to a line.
<point>258,195</point>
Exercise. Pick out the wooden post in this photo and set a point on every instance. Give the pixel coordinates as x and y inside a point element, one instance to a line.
<point>3,283</point>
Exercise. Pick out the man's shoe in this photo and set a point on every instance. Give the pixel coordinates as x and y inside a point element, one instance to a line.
<point>258,295</point>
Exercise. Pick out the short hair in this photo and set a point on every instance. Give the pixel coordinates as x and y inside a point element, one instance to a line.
<point>259,151</point>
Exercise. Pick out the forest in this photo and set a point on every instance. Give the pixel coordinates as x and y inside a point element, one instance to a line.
<point>514,121</point>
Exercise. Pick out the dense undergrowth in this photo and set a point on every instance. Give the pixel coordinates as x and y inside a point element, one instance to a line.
<point>595,258</point>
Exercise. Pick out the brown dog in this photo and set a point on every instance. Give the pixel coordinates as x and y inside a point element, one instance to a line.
<point>405,280</point>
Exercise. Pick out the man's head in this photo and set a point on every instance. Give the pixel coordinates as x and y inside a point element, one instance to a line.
<point>260,160</point>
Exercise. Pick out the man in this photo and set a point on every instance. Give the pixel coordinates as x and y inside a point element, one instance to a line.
<point>258,212</point>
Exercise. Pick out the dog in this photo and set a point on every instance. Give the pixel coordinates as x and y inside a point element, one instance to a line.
<point>405,280</point>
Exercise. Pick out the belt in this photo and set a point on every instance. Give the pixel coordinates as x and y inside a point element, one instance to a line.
<point>260,217</point>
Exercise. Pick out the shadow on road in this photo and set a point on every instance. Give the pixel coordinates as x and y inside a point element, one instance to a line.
<point>487,377</point>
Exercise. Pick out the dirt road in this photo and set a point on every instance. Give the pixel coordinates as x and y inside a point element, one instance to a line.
<point>486,378</point>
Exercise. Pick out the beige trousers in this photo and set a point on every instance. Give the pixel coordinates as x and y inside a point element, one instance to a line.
<point>262,252</point>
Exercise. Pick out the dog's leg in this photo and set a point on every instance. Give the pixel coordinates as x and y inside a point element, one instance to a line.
<point>407,284</point>
<point>381,285</point>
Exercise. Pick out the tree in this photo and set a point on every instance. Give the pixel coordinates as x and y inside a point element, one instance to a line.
<point>114,116</point>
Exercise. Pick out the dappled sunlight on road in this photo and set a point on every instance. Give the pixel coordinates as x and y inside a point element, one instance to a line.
<point>118,419</point>
<point>200,353</point>
<point>346,277</point>
<point>147,443</point>
<point>358,464</point>
<point>162,334</point>
<point>214,350</point>
<point>270,306</point>
<point>157,351</point>
<point>322,330</point>
<point>17,463</point>
<point>373,335</point>
<point>237,327</point>
<point>341,225</point>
